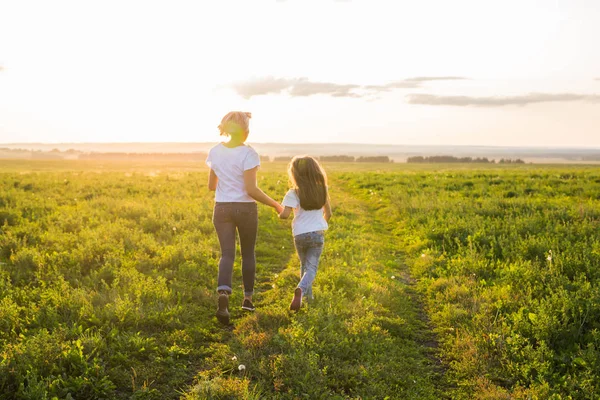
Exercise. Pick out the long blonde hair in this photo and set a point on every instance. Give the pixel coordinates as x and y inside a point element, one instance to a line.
<point>309,180</point>
<point>235,123</point>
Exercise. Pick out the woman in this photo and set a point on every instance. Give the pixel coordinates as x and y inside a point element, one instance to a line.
<point>233,166</point>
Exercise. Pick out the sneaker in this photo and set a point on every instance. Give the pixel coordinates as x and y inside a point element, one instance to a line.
<point>222,310</point>
<point>248,306</point>
<point>297,300</point>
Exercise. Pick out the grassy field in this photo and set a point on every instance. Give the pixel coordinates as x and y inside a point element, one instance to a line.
<point>453,281</point>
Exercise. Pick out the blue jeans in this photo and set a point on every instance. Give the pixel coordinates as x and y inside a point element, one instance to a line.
<point>309,247</point>
<point>243,218</point>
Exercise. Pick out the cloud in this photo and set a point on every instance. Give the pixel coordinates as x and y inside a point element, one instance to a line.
<point>499,101</point>
<point>257,87</point>
<point>298,87</point>
<point>304,87</point>
<point>436,78</point>
<point>301,87</point>
<point>405,84</point>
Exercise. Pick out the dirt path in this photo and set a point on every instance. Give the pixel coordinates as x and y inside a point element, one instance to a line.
<point>380,227</point>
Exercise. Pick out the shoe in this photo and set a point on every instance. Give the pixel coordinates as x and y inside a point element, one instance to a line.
<point>297,300</point>
<point>222,310</point>
<point>248,306</point>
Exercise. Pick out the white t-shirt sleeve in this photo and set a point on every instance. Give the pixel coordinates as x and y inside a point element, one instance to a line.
<point>252,159</point>
<point>209,159</point>
<point>291,199</point>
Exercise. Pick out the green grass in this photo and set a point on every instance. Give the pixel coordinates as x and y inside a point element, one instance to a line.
<point>437,281</point>
<point>508,261</point>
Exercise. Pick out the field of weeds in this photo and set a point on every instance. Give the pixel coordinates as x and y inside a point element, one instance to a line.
<point>435,282</point>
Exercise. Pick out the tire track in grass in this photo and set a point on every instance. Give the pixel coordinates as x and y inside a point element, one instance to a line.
<point>387,225</point>
<point>361,337</point>
<point>404,300</point>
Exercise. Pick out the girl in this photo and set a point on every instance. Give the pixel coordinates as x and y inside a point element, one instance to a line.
<point>232,176</point>
<point>309,199</point>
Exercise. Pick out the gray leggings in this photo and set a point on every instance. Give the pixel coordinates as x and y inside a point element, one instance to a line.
<point>227,218</point>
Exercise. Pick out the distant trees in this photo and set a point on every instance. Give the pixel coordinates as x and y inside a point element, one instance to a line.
<point>510,161</point>
<point>46,155</point>
<point>449,159</point>
<point>282,159</point>
<point>374,159</point>
<point>144,156</point>
<point>341,158</point>
<point>452,159</point>
<point>15,153</point>
<point>187,157</point>
<point>337,158</point>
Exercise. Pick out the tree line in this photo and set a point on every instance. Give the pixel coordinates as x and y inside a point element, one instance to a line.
<point>452,159</point>
<point>342,158</point>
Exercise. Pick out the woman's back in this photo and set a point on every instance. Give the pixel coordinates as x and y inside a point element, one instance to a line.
<point>229,164</point>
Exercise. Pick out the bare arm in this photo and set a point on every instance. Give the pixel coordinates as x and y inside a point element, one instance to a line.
<point>256,193</point>
<point>327,211</point>
<point>212,181</point>
<point>285,213</point>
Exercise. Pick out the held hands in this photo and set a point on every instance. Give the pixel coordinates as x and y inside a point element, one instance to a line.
<point>278,208</point>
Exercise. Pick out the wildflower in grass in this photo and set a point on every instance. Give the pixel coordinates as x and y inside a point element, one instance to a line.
<point>234,358</point>
<point>241,367</point>
<point>423,255</point>
<point>174,229</point>
<point>393,277</point>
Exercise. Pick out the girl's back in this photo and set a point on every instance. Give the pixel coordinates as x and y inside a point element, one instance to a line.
<point>304,220</point>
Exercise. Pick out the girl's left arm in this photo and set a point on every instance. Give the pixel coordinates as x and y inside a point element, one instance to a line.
<point>327,211</point>
<point>285,213</point>
<point>212,181</point>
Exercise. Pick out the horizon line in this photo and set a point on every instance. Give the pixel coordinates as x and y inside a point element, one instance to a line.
<point>310,144</point>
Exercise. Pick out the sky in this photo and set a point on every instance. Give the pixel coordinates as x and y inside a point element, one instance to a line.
<point>437,72</point>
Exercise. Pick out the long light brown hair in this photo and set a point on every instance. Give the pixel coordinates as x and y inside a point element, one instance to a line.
<point>310,182</point>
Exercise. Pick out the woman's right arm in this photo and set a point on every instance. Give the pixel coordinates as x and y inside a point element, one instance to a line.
<point>256,193</point>
<point>212,181</point>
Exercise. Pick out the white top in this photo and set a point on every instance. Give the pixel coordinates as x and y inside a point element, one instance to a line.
<point>229,165</point>
<point>304,221</point>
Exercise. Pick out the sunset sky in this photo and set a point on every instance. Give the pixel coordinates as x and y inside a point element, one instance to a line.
<point>461,72</point>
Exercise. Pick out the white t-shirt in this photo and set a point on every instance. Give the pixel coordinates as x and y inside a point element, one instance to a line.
<point>304,221</point>
<point>229,165</point>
